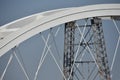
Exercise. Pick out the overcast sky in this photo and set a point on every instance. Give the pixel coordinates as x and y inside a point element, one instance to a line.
<point>13,9</point>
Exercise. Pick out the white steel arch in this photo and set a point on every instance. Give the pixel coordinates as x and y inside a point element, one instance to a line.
<point>18,31</point>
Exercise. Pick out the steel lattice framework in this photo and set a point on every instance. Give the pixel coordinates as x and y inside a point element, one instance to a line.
<point>85,54</point>
<point>95,41</point>
<point>69,49</point>
<point>100,49</point>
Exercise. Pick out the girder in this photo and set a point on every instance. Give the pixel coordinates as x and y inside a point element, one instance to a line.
<point>94,38</point>
<point>69,49</point>
<point>100,48</point>
<point>20,30</point>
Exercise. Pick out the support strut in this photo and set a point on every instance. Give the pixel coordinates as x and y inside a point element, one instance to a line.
<point>69,49</point>
<point>94,38</point>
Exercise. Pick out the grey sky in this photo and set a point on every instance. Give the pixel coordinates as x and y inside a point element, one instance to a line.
<point>13,9</point>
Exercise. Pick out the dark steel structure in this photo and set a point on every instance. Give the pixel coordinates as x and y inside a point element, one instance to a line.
<point>93,40</point>
<point>69,49</point>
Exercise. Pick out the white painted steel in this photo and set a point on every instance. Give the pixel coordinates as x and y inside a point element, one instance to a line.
<point>20,30</point>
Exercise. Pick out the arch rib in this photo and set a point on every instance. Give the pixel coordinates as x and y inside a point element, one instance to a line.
<point>20,30</point>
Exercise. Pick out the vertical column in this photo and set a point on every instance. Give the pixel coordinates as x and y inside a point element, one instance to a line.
<point>100,48</point>
<point>69,34</point>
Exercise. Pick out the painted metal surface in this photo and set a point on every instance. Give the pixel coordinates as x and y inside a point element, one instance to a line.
<point>20,30</point>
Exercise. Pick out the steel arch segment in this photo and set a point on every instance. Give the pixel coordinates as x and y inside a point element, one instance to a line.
<point>32,25</point>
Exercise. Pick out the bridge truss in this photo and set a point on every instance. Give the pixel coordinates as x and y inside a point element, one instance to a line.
<point>83,55</point>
